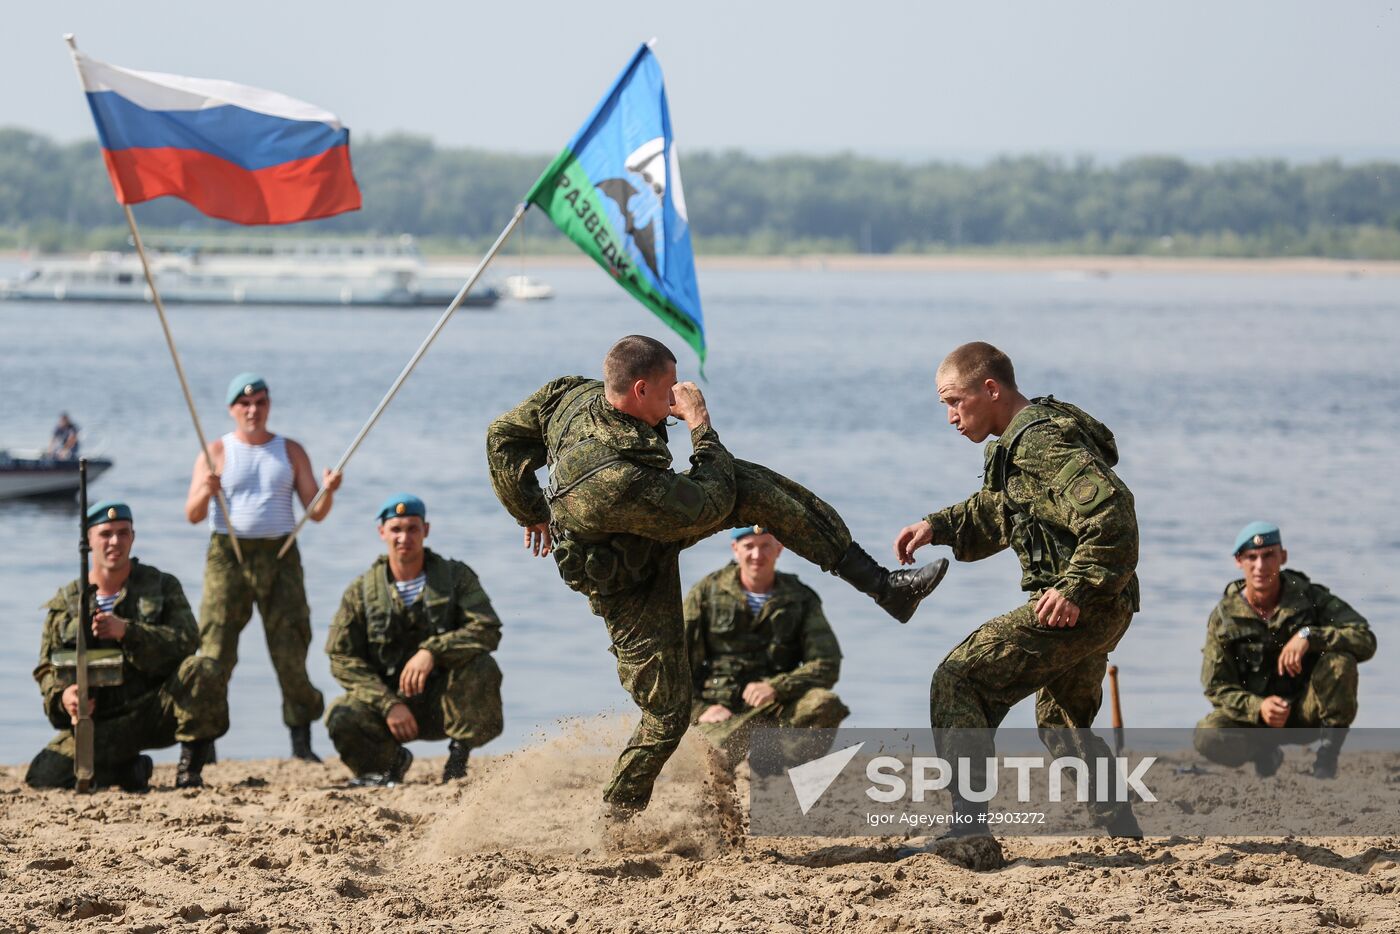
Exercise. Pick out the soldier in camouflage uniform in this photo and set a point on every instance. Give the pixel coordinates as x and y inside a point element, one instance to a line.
<point>411,644</point>
<point>1049,493</point>
<point>260,473</point>
<point>771,666</point>
<point>167,693</point>
<point>1280,652</point>
<point>616,517</point>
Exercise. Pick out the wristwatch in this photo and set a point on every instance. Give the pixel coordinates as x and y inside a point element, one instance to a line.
<point>1305,632</point>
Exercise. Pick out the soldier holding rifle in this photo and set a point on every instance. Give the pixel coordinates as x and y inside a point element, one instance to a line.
<point>149,689</point>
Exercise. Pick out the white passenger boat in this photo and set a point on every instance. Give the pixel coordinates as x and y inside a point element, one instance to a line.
<point>27,473</point>
<point>527,289</point>
<point>254,271</point>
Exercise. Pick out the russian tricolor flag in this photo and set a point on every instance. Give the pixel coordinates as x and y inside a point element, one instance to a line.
<point>234,152</point>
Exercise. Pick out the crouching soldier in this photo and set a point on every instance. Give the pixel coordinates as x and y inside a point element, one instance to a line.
<point>411,645</point>
<point>761,651</point>
<point>151,690</point>
<point>1280,651</point>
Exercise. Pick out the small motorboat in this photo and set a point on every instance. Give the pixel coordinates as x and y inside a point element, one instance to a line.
<point>527,289</point>
<point>26,473</point>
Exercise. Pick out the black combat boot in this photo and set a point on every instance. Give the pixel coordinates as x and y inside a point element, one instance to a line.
<point>394,776</point>
<point>1124,824</point>
<point>1325,765</point>
<point>456,767</point>
<point>135,774</point>
<point>1267,760</point>
<point>896,592</point>
<point>301,744</point>
<point>193,757</point>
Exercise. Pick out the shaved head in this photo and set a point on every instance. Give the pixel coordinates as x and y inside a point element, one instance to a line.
<point>632,358</point>
<point>978,361</point>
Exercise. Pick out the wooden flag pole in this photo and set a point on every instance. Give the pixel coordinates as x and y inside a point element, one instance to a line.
<point>1117,710</point>
<point>413,362</point>
<point>180,372</point>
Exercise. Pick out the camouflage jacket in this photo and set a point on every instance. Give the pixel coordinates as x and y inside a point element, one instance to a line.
<point>610,474</point>
<point>789,644</point>
<point>374,635</point>
<point>1049,492</point>
<point>1240,667</point>
<point>160,634</point>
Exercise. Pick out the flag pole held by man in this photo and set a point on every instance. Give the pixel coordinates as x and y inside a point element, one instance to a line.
<point>234,152</point>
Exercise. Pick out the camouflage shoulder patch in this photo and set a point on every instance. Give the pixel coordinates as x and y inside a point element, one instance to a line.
<point>684,497</point>
<point>1087,490</point>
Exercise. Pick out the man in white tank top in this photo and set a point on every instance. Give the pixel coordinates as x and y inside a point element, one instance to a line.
<point>259,472</point>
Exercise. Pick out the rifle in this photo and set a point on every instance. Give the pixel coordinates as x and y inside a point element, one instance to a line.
<point>82,727</point>
<point>1117,710</point>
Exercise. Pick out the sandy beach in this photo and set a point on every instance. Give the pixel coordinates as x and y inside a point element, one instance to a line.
<point>281,846</point>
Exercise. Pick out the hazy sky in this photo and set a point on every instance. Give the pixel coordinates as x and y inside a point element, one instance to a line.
<point>961,79</point>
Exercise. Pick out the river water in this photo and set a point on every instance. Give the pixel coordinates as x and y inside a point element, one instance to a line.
<point>1233,398</point>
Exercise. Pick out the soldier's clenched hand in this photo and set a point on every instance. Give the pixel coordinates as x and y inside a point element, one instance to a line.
<point>402,723</point>
<point>716,713</point>
<point>70,702</point>
<point>910,539</point>
<point>689,405</point>
<point>538,539</point>
<point>414,677</point>
<point>1274,711</point>
<point>758,693</point>
<point>1055,611</point>
<point>108,626</point>
<point>1290,660</point>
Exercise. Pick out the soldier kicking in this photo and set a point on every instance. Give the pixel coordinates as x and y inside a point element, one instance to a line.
<point>616,517</point>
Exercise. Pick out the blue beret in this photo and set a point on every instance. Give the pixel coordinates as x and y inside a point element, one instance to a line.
<point>402,504</point>
<point>244,384</point>
<point>109,510</point>
<point>746,531</point>
<point>1257,535</point>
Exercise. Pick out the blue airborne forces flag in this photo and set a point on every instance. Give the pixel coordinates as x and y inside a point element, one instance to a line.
<point>616,191</point>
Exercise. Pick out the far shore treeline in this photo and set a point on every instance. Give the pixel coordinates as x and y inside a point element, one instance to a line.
<point>56,197</point>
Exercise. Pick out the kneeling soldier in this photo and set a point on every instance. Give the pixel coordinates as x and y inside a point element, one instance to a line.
<point>151,689</point>
<point>761,651</point>
<point>411,645</point>
<point>1280,651</point>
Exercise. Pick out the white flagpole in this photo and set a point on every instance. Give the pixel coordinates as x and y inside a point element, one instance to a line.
<point>165,327</point>
<point>180,372</point>
<point>413,362</point>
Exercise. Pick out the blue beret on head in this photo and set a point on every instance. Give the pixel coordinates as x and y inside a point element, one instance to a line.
<point>109,510</point>
<point>746,531</point>
<point>1257,535</point>
<point>402,504</point>
<point>244,384</point>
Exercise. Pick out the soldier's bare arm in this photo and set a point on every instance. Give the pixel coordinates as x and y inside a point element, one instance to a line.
<point>690,406</point>
<point>910,539</point>
<point>304,479</point>
<point>203,484</point>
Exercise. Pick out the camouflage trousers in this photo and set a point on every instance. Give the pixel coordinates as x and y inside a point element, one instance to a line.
<point>231,589</point>
<point>459,703</point>
<point>645,621</point>
<point>191,705</point>
<point>815,708</point>
<point>1011,657</point>
<point>1328,700</point>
